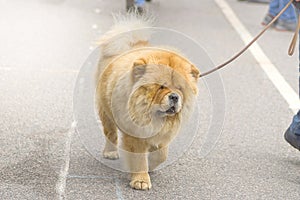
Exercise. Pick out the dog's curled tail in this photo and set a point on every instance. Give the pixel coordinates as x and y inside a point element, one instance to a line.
<point>127,31</point>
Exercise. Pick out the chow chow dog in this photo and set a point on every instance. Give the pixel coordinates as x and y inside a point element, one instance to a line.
<point>144,91</point>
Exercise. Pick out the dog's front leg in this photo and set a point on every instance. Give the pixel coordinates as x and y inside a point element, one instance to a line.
<point>136,158</point>
<point>140,181</point>
<point>157,157</point>
<point>138,165</point>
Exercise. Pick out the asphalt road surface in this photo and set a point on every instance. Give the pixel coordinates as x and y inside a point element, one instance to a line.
<point>44,43</point>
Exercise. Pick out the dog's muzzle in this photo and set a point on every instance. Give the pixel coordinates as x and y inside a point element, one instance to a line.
<point>173,102</point>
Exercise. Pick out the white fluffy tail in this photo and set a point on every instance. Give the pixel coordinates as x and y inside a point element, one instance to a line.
<point>127,31</point>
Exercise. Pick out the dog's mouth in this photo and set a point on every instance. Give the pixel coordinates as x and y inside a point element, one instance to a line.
<point>171,110</point>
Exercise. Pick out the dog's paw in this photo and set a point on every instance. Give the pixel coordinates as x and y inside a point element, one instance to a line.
<point>141,182</point>
<point>112,155</point>
<point>140,185</point>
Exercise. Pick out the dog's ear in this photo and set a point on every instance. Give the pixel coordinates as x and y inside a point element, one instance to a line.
<point>138,69</point>
<point>195,72</point>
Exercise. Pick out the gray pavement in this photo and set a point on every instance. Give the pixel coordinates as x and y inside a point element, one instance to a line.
<point>43,44</point>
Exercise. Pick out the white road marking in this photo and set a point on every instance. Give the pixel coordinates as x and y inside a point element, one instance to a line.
<point>271,71</point>
<point>74,176</point>
<point>118,190</point>
<point>62,179</point>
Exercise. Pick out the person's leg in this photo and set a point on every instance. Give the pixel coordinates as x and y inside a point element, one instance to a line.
<point>139,3</point>
<point>292,134</point>
<point>274,8</point>
<point>289,15</point>
<point>272,12</point>
<point>287,21</point>
<point>129,4</point>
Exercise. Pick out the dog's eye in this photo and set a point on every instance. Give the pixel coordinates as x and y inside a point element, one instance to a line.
<point>162,87</point>
<point>179,88</point>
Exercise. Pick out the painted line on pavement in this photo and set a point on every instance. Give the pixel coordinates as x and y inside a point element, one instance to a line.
<point>62,179</point>
<point>74,176</point>
<point>118,190</point>
<point>286,91</point>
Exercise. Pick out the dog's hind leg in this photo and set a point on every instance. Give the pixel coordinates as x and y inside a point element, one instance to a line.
<point>110,130</point>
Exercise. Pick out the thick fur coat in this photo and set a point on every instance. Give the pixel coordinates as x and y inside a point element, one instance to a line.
<point>144,91</point>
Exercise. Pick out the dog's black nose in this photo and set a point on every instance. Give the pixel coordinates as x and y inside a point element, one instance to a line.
<point>173,98</point>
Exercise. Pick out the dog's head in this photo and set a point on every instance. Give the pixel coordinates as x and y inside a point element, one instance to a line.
<point>164,84</point>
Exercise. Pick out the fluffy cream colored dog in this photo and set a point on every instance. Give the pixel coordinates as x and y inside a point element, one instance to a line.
<point>144,91</point>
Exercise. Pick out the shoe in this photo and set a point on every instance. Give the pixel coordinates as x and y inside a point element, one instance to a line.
<point>268,18</point>
<point>283,25</point>
<point>292,138</point>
